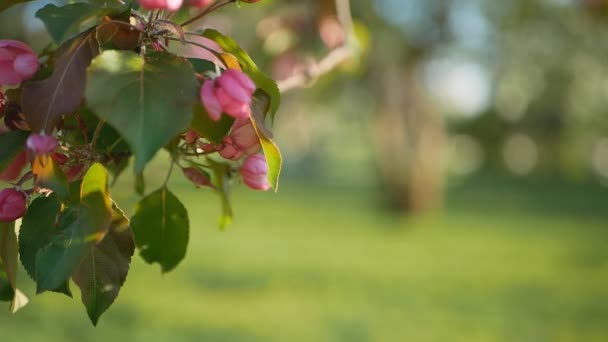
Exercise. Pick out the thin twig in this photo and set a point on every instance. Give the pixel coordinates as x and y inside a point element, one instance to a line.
<point>213,52</point>
<point>169,173</point>
<point>97,132</point>
<point>332,60</point>
<point>111,148</point>
<point>207,10</point>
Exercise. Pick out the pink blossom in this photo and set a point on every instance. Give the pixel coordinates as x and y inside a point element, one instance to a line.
<point>191,137</point>
<point>12,205</point>
<point>230,93</point>
<point>171,5</point>
<point>41,144</point>
<point>242,141</point>
<point>18,62</point>
<point>2,101</point>
<point>254,172</point>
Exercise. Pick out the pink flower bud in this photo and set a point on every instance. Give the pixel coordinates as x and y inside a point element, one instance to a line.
<point>18,62</point>
<point>12,205</point>
<point>230,93</point>
<point>41,144</point>
<point>2,101</point>
<point>228,150</point>
<point>242,141</point>
<point>197,177</point>
<point>171,5</point>
<point>13,171</point>
<point>191,137</point>
<point>14,118</point>
<point>254,172</point>
<point>207,147</point>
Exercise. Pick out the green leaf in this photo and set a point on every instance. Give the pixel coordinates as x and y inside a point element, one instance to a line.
<point>161,229</point>
<point>77,228</point>
<point>4,4</point>
<point>271,150</point>
<point>140,184</point>
<point>9,250</point>
<point>11,143</point>
<point>57,262</point>
<point>65,22</point>
<point>104,268</point>
<point>38,228</point>
<point>215,131</point>
<point>202,65</point>
<point>95,196</point>
<point>259,78</point>
<point>49,175</point>
<point>44,102</point>
<point>150,99</point>
<point>6,290</point>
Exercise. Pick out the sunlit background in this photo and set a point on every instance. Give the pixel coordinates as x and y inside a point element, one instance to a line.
<point>446,184</point>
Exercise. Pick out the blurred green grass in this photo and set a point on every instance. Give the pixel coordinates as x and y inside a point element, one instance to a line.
<point>321,263</point>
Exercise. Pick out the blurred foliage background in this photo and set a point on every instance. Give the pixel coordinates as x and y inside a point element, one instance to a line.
<point>446,183</point>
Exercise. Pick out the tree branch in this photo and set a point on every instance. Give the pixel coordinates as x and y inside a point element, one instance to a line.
<point>332,60</point>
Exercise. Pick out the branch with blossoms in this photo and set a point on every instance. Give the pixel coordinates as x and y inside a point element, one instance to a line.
<point>332,60</point>
<point>110,97</point>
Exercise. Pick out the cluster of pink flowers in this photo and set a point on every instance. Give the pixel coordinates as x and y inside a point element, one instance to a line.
<point>12,201</point>
<point>231,93</point>
<point>18,62</point>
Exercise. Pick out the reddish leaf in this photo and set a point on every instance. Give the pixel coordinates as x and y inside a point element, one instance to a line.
<point>44,102</point>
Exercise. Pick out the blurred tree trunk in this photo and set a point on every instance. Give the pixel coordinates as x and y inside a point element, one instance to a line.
<point>409,141</point>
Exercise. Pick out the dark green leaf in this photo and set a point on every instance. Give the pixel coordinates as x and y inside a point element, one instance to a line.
<point>6,290</point>
<point>57,262</point>
<point>38,229</point>
<point>202,65</point>
<point>104,268</point>
<point>140,184</point>
<point>65,22</point>
<point>149,102</point>
<point>9,250</point>
<point>49,175</point>
<point>11,143</point>
<point>161,229</point>
<point>44,102</point>
<point>78,227</point>
<point>207,128</point>
<point>259,78</point>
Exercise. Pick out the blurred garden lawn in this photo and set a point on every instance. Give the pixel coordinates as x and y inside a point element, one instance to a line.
<point>322,264</point>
